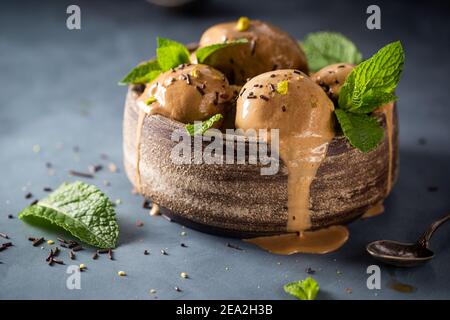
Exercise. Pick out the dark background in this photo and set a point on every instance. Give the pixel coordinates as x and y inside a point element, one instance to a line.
<point>59,93</point>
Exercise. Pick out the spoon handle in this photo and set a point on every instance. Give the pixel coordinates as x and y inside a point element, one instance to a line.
<point>426,236</point>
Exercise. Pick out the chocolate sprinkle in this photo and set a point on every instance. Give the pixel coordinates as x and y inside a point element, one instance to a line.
<point>252,47</point>
<point>80,174</point>
<point>75,248</point>
<point>199,89</point>
<point>146,204</point>
<point>37,242</point>
<point>229,245</point>
<point>272,87</point>
<point>265,98</point>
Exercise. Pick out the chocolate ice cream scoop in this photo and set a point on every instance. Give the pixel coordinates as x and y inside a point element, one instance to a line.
<point>331,78</point>
<point>187,93</point>
<point>291,102</point>
<point>269,48</point>
<point>287,100</point>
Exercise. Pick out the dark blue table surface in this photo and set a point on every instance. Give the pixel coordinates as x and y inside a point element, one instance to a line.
<point>58,92</point>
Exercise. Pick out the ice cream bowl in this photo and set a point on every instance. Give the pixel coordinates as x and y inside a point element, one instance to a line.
<point>235,199</point>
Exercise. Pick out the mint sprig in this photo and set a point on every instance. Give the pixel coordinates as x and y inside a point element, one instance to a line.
<point>170,53</point>
<point>370,85</point>
<point>325,48</point>
<point>304,289</point>
<point>81,209</point>
<point>143,73</point>
<point>203,53</point>
<point>200,127</point>
<point>373,81</point>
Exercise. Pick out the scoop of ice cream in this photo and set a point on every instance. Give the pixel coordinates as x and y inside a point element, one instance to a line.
<point>331,78</point>
<point>269,48</point>
<point>287,100</point>
<point>187,93</point>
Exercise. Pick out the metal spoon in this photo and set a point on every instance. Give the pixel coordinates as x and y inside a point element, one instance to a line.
<point>406,254</point>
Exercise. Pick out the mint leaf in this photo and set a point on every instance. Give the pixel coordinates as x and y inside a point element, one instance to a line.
<point>171,54</point>
<point>371,83</point>
<point>142,73</point>
<point>304,289</point>
<point>325,48</point>
<point>205,52</point>
<point>362,130</point>
<point>199,127</point>
<point>81,209</point>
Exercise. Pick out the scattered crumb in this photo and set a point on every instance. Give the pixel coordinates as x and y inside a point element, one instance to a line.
<point>36,148</point>
<point>155,210</point>
<point>82,267</point>
<point>112,167</point>
<point>139,223</point>
<point>183,233</point>
<point>152,291</point>
<point>50,242</point>
<point>118,201</point>
<point>121,273</point>
<point>349,290</point>
<point>309,270</point>
<point>184,275</point>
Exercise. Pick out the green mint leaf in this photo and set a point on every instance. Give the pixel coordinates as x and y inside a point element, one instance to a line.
<point>372,82</point>
<point>142,73</point>
<point>325,48</point>
<point>362,130</point>
<point>205,52</point>
<point>81,209</point>
<point>304,289</point>
<point>374,99</point>
<point>201,127</point>
<point>171,54</point>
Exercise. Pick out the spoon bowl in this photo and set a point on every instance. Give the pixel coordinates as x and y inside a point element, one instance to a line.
<point>398,253</point>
